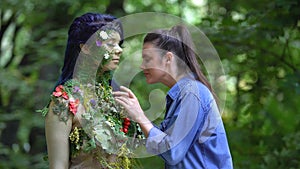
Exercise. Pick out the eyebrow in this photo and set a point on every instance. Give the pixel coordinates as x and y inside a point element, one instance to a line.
<point>113,40</point>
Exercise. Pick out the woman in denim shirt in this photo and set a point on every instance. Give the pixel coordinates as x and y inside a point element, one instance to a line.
<point>192,135</point>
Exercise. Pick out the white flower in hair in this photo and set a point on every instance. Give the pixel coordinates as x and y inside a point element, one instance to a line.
<point>103,35</point>
<point>106,56</point>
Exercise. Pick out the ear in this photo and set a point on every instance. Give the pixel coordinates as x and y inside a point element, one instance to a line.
<point>169,57</point>
<point>84,48</point>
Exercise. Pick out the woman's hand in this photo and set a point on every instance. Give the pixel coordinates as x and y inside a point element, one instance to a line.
<point>131,104</point>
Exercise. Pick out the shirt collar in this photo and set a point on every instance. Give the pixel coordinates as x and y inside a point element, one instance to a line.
<point>175,90</point>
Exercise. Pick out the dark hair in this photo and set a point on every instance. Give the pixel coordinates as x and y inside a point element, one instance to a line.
<point>178,41</point>
<point>81,29</point>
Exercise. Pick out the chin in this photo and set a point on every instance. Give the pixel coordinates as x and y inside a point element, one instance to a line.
<point>110,68</point>
<point>149,81</point>
<point>114,68</point>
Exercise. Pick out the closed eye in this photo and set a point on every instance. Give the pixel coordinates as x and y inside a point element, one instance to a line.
<point>111,44</point>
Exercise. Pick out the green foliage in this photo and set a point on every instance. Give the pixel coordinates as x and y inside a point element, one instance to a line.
<point>259,47</point>
<point>258,43</point>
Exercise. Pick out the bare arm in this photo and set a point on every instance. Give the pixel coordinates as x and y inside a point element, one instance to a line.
<point>145,124</point>
<point>57,137</point>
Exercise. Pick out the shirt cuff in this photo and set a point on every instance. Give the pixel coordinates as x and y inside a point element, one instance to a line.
<point>155,136</point>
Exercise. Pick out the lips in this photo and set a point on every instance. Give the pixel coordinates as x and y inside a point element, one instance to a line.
<point>116,59</point>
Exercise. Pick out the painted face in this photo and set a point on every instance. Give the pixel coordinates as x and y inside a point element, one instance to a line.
<point>153,64</point>
<point>114,50</point>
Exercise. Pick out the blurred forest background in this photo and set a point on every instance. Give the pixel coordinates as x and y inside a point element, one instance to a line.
<point>258,42</point>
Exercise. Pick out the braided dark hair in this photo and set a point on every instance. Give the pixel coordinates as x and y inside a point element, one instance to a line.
<point>81,29</point>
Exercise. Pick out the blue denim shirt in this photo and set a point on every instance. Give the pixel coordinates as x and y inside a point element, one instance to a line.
<point>192,135</point>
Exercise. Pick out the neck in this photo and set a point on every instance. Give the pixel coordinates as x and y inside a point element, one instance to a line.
<point>171,80</point>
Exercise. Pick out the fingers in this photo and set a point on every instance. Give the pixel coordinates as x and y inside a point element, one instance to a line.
<point>120,101</point>
<point>125,89</point>
<point>125,100</point>
<point>125,92</point>
<point>120,94</point>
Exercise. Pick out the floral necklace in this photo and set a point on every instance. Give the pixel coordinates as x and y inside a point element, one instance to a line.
<point>106,121</point>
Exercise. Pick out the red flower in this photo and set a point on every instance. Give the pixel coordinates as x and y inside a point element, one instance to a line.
<point>65,95</point>
<point>73,104</point>
<point>58,91</point>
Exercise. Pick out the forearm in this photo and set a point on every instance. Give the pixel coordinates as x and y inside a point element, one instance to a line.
<point>180,130</point>
<point>145,124</point>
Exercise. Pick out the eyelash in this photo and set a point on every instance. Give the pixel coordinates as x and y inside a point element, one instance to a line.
<point>113,45</point>
<point>110,44</point>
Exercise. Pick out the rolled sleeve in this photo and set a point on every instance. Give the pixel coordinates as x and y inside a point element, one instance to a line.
<point>173,144</point>
<point>154,138</point>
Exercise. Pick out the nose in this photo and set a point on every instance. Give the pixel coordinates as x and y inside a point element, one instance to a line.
<point>118,50</point>
<point>142,66</point>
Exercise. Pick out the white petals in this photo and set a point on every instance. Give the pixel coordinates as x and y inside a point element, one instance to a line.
<point>103,35</point>
<point>106,56</point>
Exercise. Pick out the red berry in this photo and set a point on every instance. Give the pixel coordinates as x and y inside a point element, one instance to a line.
<point>126,119</point>
<point>126,123</point>
<point>125,130</point>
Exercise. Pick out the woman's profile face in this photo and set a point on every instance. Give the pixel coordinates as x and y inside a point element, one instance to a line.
<point>153,64</point>
<point>114,51</point>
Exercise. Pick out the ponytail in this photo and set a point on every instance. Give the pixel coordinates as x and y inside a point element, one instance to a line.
<point>178,40</point>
